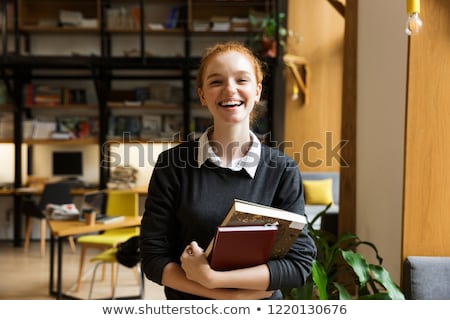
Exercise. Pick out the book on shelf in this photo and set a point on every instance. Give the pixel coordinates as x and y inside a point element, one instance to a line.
<point>120,125</point>
<point>172,123</point>
<point>136,16</point>
<point>6,126</point>
<point>289,224</point>
<point>201,25</point>
<point>237,247</point>
<point>27,128</point>
<point>76,127</point>
<point>240,24</point>
<point>220,23</point>
<point>47,95</point>
<point>70,18</point>
<point>155,26</point>
<point>59,135</point>
<point>177,17</point>
<point>43,129</point>
<point>151,125</point>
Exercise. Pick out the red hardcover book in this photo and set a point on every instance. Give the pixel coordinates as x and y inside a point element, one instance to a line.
<point>289,224</point>
<point>237,247</point>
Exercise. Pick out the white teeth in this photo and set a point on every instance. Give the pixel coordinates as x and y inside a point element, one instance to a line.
<point>230,103</point>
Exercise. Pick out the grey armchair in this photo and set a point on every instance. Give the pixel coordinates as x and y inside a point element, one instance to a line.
<point>426,278</point>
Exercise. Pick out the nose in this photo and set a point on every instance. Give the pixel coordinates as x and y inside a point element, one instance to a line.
<point>230,86</point>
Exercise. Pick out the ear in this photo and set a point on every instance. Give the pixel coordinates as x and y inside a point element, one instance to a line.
<point>201,96</point>
<point>258,92</point>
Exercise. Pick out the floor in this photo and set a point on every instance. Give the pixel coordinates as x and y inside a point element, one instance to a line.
<point>25,276</point>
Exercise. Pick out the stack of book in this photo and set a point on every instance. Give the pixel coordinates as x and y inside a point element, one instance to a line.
<point>220,23</point>
<point>251,234</point>
<point>48,95</point>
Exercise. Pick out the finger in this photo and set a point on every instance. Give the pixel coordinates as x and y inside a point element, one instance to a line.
<point>195,247</point>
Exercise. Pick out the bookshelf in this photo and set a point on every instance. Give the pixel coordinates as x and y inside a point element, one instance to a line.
<point>145,51</point>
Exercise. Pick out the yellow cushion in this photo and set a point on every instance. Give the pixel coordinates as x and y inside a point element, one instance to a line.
<point>318,191</point>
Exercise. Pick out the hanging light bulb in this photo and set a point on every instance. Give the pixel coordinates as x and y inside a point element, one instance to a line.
<point>413,23</point>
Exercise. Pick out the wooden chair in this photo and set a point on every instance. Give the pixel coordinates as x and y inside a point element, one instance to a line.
<point>119,203</point>
<point>56,193</point>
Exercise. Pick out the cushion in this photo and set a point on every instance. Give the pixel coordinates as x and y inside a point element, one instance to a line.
<point>318,191</point>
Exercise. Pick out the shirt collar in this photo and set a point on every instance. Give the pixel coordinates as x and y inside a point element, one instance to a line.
<point>249,162</point>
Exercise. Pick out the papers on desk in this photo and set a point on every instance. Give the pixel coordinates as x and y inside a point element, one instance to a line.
<point>66,211</point>
<point>109,219</point>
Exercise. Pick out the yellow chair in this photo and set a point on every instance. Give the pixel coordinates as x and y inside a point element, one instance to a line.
<point>110,256</point>
<point>119,203</point>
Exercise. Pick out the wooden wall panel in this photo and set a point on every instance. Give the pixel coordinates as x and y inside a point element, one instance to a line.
<point>306,126</point>
<point>426,221</point>
<point>347,201</point>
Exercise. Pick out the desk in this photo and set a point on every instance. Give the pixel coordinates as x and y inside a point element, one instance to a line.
<point>61,229</point>
<point>38,191</point>
<point>6,192</point>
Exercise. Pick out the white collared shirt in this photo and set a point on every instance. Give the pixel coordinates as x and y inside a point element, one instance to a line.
<point>249,162</point>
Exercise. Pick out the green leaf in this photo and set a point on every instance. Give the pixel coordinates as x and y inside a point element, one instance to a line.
<point>343,293</point>
<point>377,296</point>
<point>382,275</point>
<point>358,264</point>
<point>302,293</point>
<point>320,279</point>
<point>370,244</point>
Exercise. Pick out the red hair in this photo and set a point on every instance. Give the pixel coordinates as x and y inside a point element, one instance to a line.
<point>229,47</point>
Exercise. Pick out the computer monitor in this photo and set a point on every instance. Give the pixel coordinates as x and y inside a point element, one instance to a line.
<point>67,163</point>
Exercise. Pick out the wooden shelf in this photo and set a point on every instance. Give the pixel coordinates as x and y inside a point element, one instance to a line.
<point>149,106</point>
<point>7,107</point>
<point>61,141</point>
<point>38,29</point>
<point>7,192</point>
<point>62,106</point>
<point>177,31</point>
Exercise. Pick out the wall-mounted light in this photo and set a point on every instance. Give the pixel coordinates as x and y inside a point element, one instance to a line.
<point>413,22</point>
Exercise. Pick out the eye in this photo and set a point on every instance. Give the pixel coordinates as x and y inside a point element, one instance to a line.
<point>215,82</point>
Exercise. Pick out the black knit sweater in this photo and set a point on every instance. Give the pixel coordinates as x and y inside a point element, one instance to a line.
<point>186,203</point>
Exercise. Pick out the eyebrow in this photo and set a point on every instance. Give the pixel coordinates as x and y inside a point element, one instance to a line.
<point>247,73</point>
<point>212,75</point>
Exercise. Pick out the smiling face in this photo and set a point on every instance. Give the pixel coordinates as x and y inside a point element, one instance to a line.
<point>229,87</point>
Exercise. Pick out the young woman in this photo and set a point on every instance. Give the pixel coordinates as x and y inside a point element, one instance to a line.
<point>194,184</point>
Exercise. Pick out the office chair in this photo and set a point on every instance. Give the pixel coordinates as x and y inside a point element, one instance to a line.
<point>111,256</point>
<point>56,193</point>
<point>119,203</point>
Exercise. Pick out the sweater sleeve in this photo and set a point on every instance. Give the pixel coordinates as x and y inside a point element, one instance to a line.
<point>292,270</point>
<point>157,227</point>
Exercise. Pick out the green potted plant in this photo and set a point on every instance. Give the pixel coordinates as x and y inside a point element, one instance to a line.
<point>265,40</point>
<point>340,273</point>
